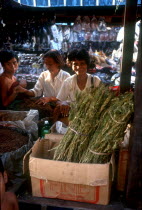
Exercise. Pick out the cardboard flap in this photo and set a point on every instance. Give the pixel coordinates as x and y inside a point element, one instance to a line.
<point>26,162</point>
<point>54,137</point>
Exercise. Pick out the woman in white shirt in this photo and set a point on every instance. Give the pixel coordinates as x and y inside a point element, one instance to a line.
<point>49,81</point>
<point>78,82</point>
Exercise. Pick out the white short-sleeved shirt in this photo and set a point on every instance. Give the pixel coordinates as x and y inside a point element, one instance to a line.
<point>70,87</point>
<point>46,87</point>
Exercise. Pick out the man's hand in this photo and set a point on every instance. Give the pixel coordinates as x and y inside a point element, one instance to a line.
<point>64,108</point>
<point>19,89</point>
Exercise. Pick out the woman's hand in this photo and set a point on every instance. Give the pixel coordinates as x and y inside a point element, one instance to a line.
<point>43,100</point>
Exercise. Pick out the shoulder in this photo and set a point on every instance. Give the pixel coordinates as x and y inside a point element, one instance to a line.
<point>93,76</point>
<point>2,76</point>
<point>68,82</point>
<point>44,74</point>
<point>95,79</point>
<point>65,73</point>
<point>3,79</point>
<point>71,78</point>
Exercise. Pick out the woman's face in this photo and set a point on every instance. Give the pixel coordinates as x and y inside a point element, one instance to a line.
<point>79,66</point>
<point>51,65</point>
<point>11,66</point>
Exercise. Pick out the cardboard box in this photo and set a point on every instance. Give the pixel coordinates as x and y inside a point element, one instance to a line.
<point>89,183</point>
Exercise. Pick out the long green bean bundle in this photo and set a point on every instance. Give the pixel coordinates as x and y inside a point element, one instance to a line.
<point>98,120</point>
<point>110,130</point>
<point>84,116</point>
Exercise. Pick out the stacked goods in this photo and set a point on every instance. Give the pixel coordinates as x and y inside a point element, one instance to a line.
<point>98,121</point>
<point>12,138</point>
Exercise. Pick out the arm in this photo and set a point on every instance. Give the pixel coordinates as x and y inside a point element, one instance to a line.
<point>12,202</point>
<point>15,202</point>
<point>36,91</point>
<point>45,100</point>
<point>39,86</point>
<point>20,89</point>
<point>4,92</point>
<point>62,97</point>
<point>64,91</point>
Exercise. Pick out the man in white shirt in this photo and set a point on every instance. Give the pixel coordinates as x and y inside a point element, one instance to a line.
<point>78,82</point>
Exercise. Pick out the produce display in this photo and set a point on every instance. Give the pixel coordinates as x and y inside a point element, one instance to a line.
<point>98,120</point>
<point>12,138</point>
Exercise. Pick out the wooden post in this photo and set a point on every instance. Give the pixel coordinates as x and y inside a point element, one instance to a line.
<point>128,44</point>
<point>134,186</point>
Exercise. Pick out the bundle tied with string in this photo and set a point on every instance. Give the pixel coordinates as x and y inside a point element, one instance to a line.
<point>91,138</point>
<point>110,131</point>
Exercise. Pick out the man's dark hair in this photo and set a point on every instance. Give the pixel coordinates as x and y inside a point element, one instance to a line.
<point>6,55</point>
<point>79,54</point>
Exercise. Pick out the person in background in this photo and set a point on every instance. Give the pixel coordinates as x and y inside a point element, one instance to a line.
<point>49,81</point>
<point>8,200</point>
<point>8,82</point>
<point>78,82</point>
<point>1,69</point>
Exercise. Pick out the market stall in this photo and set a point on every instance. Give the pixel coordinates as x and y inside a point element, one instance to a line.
<point>88,40</point>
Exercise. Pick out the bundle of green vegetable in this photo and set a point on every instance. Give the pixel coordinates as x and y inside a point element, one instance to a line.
<point>110,131</point>
<point>90,116</point>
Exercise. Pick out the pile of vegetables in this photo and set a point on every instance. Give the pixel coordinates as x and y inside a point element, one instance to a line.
<point>98,120</point>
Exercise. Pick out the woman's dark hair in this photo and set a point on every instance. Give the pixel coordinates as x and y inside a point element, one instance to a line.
<point>6,55</point>
<point>79,54</point>
<point>57,57</point>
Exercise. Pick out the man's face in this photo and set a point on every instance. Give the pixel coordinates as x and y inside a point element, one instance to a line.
<point>79,66</point>
<point>11,66</point>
